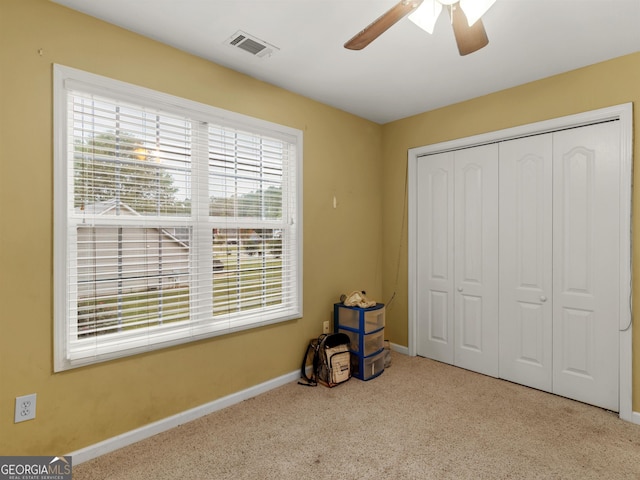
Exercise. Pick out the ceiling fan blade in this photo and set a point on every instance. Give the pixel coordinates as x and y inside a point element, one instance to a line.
<point>382,24</point>
<point>469,38</point>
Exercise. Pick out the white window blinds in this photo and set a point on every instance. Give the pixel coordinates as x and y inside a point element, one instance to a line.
<point>171,224</point>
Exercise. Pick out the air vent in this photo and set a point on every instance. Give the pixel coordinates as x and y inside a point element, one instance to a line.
<point>250,44</point>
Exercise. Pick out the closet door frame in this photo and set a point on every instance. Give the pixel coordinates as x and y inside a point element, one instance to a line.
<point>622,113</point>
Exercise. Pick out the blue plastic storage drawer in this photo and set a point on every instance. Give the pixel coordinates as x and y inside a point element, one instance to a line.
<point>366,368</point>
<point>364,320</point>
<point>365,343</point>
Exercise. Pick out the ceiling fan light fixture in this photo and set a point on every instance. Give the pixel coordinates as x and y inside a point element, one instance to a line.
<point>474,9</point>
<point>425,15</point>
<point>467,26</point>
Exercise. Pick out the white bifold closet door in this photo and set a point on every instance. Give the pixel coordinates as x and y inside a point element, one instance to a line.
<point>457,235</point>
<point>526,256</point>
<point>559,262</point>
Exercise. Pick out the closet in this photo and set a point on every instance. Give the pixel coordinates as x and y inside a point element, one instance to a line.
<point>517,260</point>
<point>457,258</point>
<point>559,262</point>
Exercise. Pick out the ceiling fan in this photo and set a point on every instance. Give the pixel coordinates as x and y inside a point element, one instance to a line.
<point>465,19</point>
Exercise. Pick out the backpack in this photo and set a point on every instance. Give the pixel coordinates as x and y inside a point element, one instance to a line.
<point>331,360</point>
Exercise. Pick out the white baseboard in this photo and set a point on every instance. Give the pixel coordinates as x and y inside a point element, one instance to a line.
<point>133,436</point>
<point>400,348</point>
<point>635,418</point>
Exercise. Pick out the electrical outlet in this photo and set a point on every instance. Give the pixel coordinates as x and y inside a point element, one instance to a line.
<point>325,327</point>
<point>25,408</point>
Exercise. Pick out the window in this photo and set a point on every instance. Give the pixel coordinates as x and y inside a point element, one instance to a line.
<point>173,221</point>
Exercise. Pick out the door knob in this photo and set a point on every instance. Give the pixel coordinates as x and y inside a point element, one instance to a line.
<point>543,298</point>
<point>459,289</point>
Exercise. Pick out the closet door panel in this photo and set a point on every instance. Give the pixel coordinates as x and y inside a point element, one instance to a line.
<point>586,264</point>
<point>476,259</point>
<point>526,322</point>
<point>435,257</point>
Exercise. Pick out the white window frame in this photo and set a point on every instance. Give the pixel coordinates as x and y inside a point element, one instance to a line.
<point>67,353</point>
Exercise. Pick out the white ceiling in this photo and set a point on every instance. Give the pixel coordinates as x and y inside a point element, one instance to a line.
<point>405,71</point>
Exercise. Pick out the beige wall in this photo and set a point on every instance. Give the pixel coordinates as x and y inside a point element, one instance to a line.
<point>610,83</point>
<point>342,246</point>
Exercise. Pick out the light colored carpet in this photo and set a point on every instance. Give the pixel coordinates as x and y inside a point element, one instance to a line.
<point>419,420</point>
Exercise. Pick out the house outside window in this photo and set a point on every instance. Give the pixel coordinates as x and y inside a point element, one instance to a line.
<point>173,220</point>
